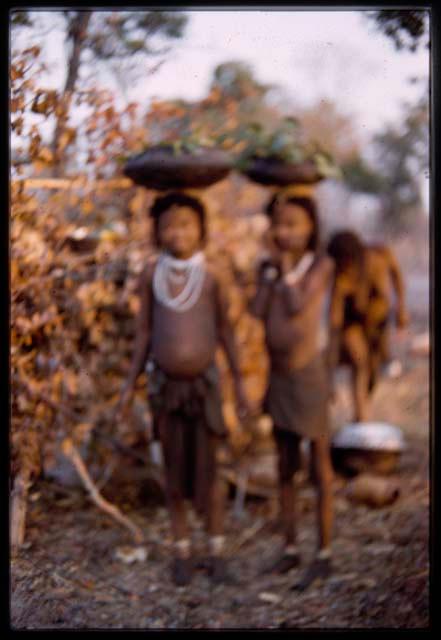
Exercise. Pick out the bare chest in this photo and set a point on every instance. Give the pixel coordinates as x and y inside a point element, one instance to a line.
<point>184,342</point>
<point>283,330</point>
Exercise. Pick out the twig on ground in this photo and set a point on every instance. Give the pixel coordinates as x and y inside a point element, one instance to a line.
<point>110,468</point>
<point>248,533</point>
<point>70,451</point>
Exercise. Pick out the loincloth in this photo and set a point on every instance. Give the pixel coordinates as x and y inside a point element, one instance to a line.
<point>353,314</point>
<point>188,420</point>
<point>298,401</point>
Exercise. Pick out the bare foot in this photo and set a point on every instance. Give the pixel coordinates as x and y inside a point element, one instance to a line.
<point>219,571</point>
<point>284,563</point>
<point>318,570</point>
<point>203,563</point>
<point>181,569</point>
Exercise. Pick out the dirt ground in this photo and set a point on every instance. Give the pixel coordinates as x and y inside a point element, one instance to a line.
<point>69,573</point>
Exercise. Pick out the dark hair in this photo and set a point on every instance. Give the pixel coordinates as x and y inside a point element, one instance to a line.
<point>346,248</point>
<point>163,203</point>
<point>308,205</point>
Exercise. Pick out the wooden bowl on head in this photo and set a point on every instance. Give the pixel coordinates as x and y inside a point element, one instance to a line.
<point>273,171</point>
<point>161,168</point>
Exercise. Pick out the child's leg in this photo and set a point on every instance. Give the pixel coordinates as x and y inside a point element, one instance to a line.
<point>181,563</point>
<point>288,449</point>
<point>215,517</point>
<point>172,434</point>
<point>384,341</point>
<point>215,531</point>
<point>175,450</point>
<point>216,514</point>
<point>211,501</point>
<point>178,518</point>
<point>323,477</point>
<point>355,345</point>
<point>379,351</point>
<point>375,361</point>
<point>321,566</point>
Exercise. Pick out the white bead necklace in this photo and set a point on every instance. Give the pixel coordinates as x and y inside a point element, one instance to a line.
<point>295,274</point>
<point>171,270</point>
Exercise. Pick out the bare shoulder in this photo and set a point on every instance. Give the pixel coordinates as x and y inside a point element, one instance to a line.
<point>378,247</point>
<point>379,250</point>
<point>324,264</point>
<point>146,275</point>
<point>213,272</point>
<point>388,253</point>
<point>379,257</point>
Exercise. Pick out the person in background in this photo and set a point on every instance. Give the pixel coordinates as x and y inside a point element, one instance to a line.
<point>361,311</point>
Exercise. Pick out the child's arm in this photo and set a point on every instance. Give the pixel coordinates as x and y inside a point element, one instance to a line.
<point>398,283</point>
<point>142,340</point>
<point>335,325</point>
<point>267,274</point>
<point>297,295</point>
<point>228,343</point>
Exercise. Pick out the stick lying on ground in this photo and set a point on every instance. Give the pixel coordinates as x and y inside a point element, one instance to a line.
<point>22,484</point>
<point>247,534</point>
<point>72,454</point>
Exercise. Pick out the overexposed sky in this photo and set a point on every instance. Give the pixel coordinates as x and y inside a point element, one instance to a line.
<point>310,55</point>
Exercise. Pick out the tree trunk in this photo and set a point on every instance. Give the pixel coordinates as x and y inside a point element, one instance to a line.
<point>77,32</point>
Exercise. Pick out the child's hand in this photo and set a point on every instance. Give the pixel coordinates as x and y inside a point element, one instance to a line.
<point>268,271</point>
<point>282,260</point>
<point>272,248</point>
<point>402,319</point>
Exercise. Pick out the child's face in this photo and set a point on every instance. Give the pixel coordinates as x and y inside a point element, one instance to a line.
<point>179,231</point>
<point>292,227</point>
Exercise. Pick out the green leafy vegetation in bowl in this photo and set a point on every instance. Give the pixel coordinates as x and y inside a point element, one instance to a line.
<point>285,154</point>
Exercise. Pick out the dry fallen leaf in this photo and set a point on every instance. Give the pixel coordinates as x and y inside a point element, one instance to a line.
<point>272,598</point>
<point>128,555</point>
